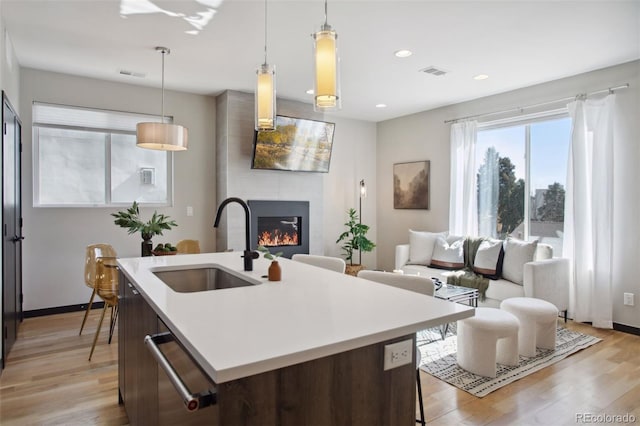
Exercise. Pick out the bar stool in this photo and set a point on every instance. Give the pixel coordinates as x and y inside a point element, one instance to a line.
<point>188,246</point>
<point>332,263</point>
<point>107,290</point>
<point>93,252</point>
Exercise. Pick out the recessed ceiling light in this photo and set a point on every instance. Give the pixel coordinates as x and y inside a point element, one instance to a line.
<point>481,77</point>
<point>310,92</point>
<point>403,53</point>
<point>381,105</point>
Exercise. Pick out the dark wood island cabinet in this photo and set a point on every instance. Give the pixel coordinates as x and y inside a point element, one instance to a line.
<point>309,350</point>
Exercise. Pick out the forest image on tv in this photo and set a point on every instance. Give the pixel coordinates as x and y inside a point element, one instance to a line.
<point>296,144</point>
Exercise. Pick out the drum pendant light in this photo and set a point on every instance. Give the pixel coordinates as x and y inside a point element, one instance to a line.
<point>162,136</point>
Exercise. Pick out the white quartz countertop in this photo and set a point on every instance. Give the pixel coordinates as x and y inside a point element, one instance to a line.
<point>312,313</point>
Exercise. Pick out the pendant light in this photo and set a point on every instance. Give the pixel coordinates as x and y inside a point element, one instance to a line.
<point>265,95</point>
<point>162,136</point>
<point>327,70</point>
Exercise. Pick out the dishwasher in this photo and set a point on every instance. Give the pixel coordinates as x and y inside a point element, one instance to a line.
<point>178,376</point>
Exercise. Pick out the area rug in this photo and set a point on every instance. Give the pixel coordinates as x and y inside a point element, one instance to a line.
<point>439,360</point>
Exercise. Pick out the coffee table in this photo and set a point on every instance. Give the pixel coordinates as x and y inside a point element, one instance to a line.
<point>455,293</point>
<point>458,294</point>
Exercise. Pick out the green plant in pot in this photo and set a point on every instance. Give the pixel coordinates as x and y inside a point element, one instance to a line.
<point>130,219</point>
<point>354,239</point>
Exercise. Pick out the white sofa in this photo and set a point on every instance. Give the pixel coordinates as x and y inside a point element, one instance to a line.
<point>545,278</point>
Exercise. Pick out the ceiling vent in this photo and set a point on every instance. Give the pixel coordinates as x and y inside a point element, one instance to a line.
<point>434,71</point>
<point>132,73</point>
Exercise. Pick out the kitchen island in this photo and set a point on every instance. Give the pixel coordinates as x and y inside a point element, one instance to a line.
<point>305,350</point>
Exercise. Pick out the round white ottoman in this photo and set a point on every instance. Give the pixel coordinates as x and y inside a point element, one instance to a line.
<point>538,319</point>
<point>488,337</point>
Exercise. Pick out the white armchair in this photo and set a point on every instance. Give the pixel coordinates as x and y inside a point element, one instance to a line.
<point>548,280</point>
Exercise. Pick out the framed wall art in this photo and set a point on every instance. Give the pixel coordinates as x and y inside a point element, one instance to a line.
<point>411,185</point>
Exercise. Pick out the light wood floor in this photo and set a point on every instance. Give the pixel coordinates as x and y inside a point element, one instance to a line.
<point>48,380</point>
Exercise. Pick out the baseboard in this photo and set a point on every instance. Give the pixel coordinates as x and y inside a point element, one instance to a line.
<point>626,328</point>
<point>61,309</point>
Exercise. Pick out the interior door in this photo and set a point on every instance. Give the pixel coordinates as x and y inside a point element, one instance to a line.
<point>12,225</point>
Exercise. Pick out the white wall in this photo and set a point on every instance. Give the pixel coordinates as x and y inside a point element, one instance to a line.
<point>425,136</point>
<point>55,238</point>
<point>9,67</point>
<point>353,159</point>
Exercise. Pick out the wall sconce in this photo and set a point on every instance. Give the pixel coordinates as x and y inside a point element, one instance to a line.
<point>327,70</point>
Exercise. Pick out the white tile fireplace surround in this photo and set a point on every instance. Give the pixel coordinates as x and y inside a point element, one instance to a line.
<point>235,178</point>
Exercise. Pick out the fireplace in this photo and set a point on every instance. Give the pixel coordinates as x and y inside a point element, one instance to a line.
<point>280,225</point>
<point>279,231</point>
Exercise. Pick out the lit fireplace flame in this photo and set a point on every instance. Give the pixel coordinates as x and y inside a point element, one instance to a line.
<point>276,238</point>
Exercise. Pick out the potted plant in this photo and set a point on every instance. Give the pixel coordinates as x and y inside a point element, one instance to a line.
<point>354,239</point>
<point>130,219</point>
<point>274,273</point>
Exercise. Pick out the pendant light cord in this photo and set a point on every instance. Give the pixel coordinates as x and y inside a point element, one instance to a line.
<point>163,53</point>
<point>265,32</point>
<point>325,13</point>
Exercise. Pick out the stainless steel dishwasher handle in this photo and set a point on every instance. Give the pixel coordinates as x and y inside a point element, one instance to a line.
<point>192,401</point>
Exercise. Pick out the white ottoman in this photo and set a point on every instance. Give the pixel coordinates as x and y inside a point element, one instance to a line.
<point>488,337</point>
<point>538,319</point>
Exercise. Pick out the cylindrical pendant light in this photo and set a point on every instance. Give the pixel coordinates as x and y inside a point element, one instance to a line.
<point>162,136</point>
<point>327,68</point>
<point>265,94</point>
<point>265,101</point>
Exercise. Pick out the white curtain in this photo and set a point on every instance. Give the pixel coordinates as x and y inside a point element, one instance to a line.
<point>588,222</point>
<point>463,210</point>
<point>488,194</point>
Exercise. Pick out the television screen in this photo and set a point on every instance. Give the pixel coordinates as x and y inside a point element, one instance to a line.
<point>297,144</point>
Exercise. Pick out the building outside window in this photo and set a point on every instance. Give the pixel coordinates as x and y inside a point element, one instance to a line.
<point>528,156</point>
<point>89,158</point>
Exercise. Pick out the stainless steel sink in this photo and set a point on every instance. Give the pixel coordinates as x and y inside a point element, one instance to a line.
<point>201,279</point>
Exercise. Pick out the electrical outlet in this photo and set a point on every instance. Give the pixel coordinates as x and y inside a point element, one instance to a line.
<point>628,299</point>
<point>189,211</point>
<point>397,354</point>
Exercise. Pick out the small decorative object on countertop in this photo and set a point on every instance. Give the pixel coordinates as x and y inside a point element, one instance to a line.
<point>275,272</point>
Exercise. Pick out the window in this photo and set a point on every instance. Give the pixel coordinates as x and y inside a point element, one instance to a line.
<point>89,158</point>
<point>517,158</point>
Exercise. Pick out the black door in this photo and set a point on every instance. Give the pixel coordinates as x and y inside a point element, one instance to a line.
<point>11,225</point>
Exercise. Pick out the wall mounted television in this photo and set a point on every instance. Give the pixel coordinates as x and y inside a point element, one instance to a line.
<point>297,144</point>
